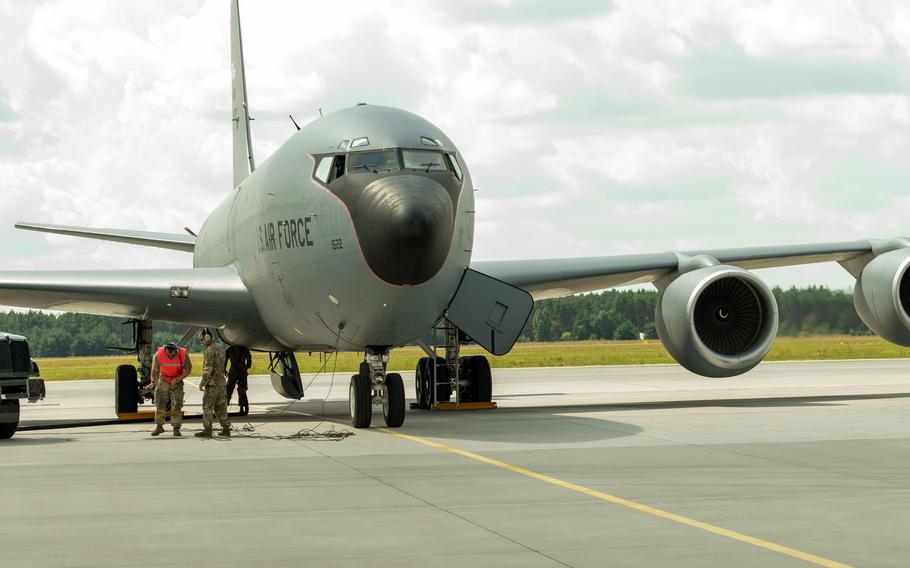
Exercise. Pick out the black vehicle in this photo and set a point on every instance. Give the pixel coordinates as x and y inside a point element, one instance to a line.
<point>18,380</point>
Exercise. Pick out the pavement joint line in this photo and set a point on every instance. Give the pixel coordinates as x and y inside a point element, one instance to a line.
<point>416,497</point>
<point>768,545</point>
<point>726,450</point>
<point>608,366</point>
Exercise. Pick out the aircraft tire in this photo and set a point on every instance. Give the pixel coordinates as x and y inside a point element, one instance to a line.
<point>481,379</point>
<point>126,389</point>
<point>361,401</point>
<point>423,364</point>
<point>9,418</point>
<point>467,376</point>
<point>393,402</point>
<point>426,400</point>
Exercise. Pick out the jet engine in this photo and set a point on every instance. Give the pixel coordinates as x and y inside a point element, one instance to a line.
<point>717,321</point>
<point>882,296</point>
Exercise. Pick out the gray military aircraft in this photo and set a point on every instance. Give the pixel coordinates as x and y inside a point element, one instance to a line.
<point>356,235</point>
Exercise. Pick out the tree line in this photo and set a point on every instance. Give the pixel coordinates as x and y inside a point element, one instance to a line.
<point>624,314</point>
<point>614,314</point>
<point>66,335</point>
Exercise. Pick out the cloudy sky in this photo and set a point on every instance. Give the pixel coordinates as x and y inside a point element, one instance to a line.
<point>590,128</point>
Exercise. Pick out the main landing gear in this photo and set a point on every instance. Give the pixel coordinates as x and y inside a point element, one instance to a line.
<point>437,379</point>
<point>373,386</point>
<point>131,382</point>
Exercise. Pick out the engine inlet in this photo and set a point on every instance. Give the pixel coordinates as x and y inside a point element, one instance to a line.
<point>905,292</point>
<point>728,316</point>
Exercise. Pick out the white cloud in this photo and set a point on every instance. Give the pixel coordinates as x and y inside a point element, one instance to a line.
<point>795,28</point>
<point>580,123</point>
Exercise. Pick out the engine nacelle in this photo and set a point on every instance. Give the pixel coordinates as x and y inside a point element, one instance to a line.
<point>882,296</point>
<point>717,321</point>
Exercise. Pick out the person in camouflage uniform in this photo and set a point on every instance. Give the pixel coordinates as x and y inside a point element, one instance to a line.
<point>170,366</point>
<point>212,385</point>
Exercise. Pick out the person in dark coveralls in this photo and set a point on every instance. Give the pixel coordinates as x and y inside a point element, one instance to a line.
<point>214,397</point>
<point>240,362</point>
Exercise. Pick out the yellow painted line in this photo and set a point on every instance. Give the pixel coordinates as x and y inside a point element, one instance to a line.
<point>818,560</point>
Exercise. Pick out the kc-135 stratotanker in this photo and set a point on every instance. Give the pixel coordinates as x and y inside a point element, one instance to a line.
<point>356,235</point>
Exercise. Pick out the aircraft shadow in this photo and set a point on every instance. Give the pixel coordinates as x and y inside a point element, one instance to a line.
<point>767,402</point>
<point>553,423</point>
<point>20,441</point>
<point>32,425</point>
<point>540,425</point>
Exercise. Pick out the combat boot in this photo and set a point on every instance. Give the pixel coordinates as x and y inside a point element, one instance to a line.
<point>158,430</point>
<point>203,434</point>
<point>177,433</point>
<point>225,431</point>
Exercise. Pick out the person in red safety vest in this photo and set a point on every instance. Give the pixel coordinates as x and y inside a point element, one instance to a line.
<point>169,367</point>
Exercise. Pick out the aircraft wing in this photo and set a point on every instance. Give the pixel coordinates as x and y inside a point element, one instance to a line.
<point>173,241</point>
<point>565,276</point>
<point>198,296</point>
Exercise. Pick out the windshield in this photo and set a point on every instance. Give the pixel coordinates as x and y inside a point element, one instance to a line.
<point>383,161</point>
<point>426,160</point>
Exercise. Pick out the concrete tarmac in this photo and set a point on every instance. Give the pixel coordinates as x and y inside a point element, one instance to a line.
<point>792,464</point>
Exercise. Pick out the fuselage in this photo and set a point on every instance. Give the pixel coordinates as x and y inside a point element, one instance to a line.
<point>356,232</point>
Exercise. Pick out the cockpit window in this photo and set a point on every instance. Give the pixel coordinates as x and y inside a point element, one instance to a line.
<point>329,168</point>
<point>456,169</point>
<point>426,160</point>
<point>384,161</point>
<point>324,168</point>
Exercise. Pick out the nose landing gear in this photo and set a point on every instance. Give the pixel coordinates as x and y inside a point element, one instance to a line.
<point>373,386</point>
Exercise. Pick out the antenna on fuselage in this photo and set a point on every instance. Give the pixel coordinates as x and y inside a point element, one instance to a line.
<point>244,164</point>
<point>294,121</point>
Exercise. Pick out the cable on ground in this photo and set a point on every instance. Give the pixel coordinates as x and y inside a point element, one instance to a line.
<point>331,435</point>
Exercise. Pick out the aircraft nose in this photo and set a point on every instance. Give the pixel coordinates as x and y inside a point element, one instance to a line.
<point>405,224</point>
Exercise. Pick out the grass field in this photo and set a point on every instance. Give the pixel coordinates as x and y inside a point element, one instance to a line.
<point>560,354</point>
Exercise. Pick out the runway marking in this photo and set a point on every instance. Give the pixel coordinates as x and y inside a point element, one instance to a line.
<point>818,560</point>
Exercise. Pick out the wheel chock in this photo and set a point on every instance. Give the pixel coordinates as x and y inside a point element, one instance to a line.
<point>139,415</point>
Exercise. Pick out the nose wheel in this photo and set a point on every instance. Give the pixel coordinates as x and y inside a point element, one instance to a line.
<point>373,386</point>
<point>393,401</point>
<point>361,399</point>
